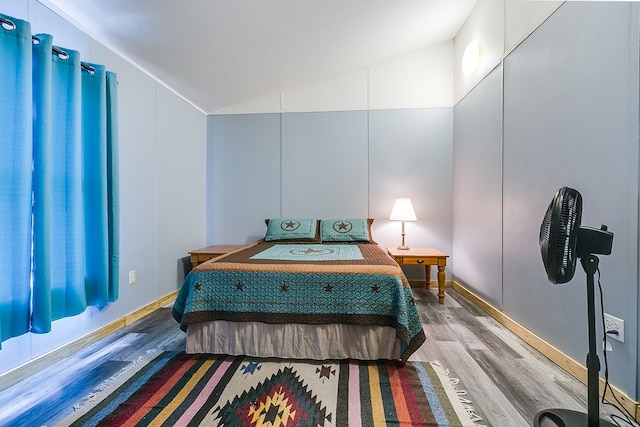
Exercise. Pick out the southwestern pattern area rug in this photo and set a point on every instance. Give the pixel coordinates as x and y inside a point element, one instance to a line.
<point>176,389</point>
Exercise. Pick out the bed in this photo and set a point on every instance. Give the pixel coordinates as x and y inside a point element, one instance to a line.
<point>326,292</point>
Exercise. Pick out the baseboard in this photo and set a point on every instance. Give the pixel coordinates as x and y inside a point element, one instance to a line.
<point>39,363</point>
<point>574,368</point>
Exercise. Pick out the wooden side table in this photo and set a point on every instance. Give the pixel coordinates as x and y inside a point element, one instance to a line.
<point>205,254</point>
<point>426,257</point>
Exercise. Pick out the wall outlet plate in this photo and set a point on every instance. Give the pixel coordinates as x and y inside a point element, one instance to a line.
<point>612,325</point>
<point>132,277</point>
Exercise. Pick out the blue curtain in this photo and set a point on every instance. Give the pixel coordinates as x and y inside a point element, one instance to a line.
<point>16,153</point>
<point>113,191</point>
<point>94,162</point>
<point>70,191</point>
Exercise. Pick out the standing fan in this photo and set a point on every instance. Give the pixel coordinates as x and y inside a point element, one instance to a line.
<point>562,242</point>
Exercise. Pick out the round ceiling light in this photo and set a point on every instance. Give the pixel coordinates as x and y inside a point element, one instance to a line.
<point>471,59</point>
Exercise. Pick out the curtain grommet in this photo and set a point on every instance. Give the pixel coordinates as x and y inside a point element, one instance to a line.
<point>7,24</point>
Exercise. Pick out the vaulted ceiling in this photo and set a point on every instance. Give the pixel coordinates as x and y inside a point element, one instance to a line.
<point>219,53</point>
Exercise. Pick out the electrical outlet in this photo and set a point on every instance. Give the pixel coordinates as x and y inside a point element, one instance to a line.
<point>132,277</point>
<point>612,325</point>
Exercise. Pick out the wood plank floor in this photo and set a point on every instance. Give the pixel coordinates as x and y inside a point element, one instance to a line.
<point>507,381</point>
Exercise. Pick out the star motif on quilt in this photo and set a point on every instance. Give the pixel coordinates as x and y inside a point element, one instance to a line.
<point>375,289</point>
<point>197,286</point>
<point>284,287</point>
<point>309,251</point>
<point>328,288</point>
<point>325,372</point>
<point>251,367</point>
<point>239,286</point>
<point>281,400</point>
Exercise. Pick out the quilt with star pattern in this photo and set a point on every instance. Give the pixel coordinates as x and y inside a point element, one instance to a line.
<point>371,290</point>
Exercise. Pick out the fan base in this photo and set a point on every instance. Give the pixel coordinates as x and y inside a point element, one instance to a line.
<point>566,418</point>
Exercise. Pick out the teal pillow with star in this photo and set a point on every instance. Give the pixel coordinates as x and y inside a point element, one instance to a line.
<point>346,230</point>
<point>291,229</point>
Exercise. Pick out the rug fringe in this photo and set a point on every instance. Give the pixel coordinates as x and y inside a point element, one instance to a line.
<point>465,403</point>
<point>113,379</point>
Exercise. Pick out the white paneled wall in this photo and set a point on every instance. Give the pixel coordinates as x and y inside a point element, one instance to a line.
<point>417,79</point>
<point>425,78</point>
<point>477,189</point>
<point>562,109</point>
<point>331,165</point>
<point>571,118</point>
<point>498,26</point>
<point>243,182</point>
<point>181,185</point>
<point>324,164</point>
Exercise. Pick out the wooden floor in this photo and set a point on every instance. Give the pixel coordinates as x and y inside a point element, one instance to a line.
<point>507,381</point>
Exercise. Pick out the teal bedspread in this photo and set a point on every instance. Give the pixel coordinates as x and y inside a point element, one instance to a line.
<point>311,293</point>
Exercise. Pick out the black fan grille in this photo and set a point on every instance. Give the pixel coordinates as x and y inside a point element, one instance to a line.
<point>559,235</point>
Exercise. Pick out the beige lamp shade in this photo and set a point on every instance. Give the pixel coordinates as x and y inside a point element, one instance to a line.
<point>403,210</point>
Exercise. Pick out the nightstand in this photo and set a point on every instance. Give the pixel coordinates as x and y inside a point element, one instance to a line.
<point>205,254</point>
<point>426,257</point>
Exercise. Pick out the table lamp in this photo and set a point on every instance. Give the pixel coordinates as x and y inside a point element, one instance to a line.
<point>403,211</point>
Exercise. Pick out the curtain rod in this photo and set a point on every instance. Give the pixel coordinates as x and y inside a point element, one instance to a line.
<point>10,26</point>
<point>64,55</point>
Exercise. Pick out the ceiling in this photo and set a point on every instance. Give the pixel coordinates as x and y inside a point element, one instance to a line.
<point>220,53</point>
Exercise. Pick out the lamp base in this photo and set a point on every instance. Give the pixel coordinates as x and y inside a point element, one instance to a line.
<point>404,248</point>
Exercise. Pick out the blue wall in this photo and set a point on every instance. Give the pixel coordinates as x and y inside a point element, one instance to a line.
<point>331,164</point>
<point>477,191</point>
<point>561,110</point>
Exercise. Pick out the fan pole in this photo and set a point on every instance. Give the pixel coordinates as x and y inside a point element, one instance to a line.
<point>590,266</point>
<point>566,417</point>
